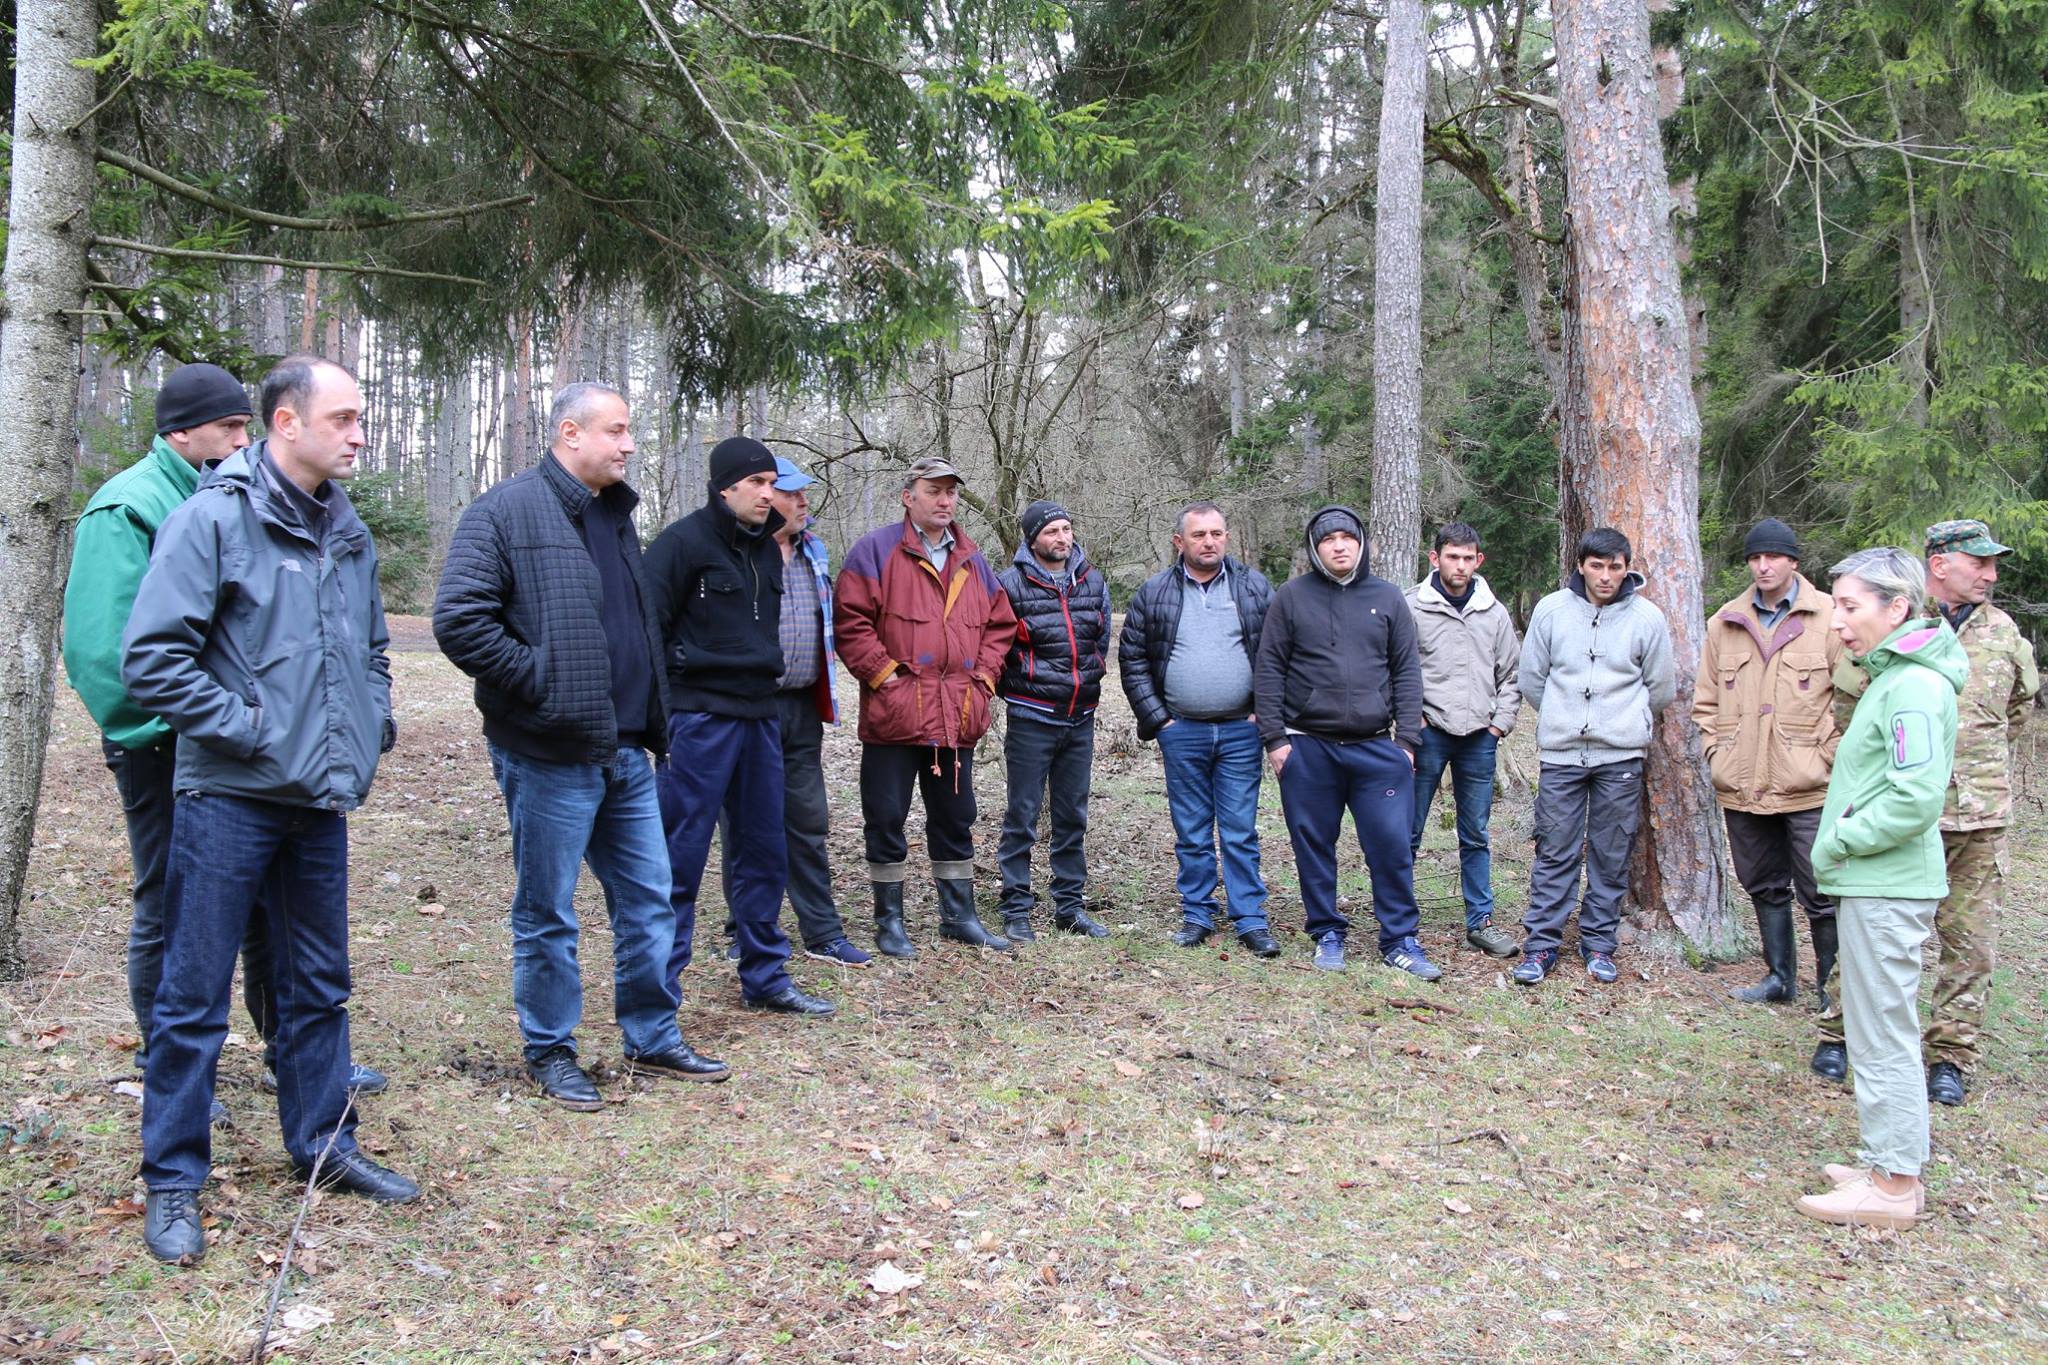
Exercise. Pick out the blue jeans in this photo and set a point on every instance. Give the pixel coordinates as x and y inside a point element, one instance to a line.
<point>1471,761</point>
<point>230,855</point>
<point>562,815</point>
<point>1372,778</point>
<point>1041,756</point>
<point>723,764</point>
<point>1212,789</point>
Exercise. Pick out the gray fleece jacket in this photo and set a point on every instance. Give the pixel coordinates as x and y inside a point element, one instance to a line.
<point>1597,676</point>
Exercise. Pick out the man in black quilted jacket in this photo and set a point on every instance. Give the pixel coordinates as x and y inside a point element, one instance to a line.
<point>1052,679</point>
<point>542,602</point>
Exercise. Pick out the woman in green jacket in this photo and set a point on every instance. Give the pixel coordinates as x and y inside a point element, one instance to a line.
<point>1880,853</point>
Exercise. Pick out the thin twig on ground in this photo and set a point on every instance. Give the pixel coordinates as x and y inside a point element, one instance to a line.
<point>1487,1134</point>
<point>284,1262</point>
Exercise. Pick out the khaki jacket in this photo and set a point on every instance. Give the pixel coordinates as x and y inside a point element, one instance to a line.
<point>1764,707</point>
<point>1469,660</point>
<point>1993,708</point>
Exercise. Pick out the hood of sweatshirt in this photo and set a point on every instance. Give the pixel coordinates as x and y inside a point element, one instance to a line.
<point>1926,642</point>
<point>1308,535</point>
<point>1630,582</point>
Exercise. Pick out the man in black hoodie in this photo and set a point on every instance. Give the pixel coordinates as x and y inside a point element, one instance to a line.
<point>716,580</point>
<point>1338,685</point>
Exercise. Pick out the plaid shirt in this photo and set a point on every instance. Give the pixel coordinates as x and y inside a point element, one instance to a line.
<point>796,624</point>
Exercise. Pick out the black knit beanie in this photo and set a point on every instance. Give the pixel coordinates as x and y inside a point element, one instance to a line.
<point>197,394</point>
<point>736,457</point>
<point>1770,537</point>
<point>1040,515</point>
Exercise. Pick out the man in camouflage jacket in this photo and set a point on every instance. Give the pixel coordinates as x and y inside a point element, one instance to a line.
<point>1962,567</point>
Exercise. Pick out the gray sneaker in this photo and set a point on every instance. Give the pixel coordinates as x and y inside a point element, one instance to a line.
<point>1330,952</point>
<point>1491,941</point>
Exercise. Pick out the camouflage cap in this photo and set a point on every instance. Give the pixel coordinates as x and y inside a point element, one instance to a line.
<point>1969,537</point>
<point>930,467</point>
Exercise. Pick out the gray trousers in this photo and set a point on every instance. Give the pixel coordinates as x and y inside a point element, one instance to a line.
<point>1583,816</point>
<point>807,819</point>
<point>1880,962</point>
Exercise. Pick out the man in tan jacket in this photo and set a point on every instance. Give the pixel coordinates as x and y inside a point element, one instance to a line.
<point>1763,700</point>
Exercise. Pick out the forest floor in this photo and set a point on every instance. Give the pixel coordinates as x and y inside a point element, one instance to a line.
<point>1082,1151</point>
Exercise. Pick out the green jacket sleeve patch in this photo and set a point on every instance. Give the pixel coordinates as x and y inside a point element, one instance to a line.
<point>1912,735</point>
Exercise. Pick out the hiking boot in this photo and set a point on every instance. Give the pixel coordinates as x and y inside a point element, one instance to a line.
<point>1830,1060</point>
<point>1407,956</point>
<point>561,1080</point>
<point>1600,966</point>
<point>1493,941</point>
<point>1860,1203</point>
<point>841,952</point>
<point>1534,967</point>
<point>1330,952</point>
<point>1080,922</point>
<point>170,1226</point>
<point>1191,936</point>
<point>1259,943</point>
<point>1945,1083</point>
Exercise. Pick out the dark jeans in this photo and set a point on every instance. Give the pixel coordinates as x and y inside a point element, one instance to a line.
<point>730,766</point>
<point>806,819</point>
<point>229,855</point>
<point>1212,793</point>
<point>1471,761</point>
<point>1774,858</point>
<point>1372,778</point>
<point>1584,815</point>
<point>889,773</point>
<point>143,777</point>
<point>563,815</point>
<point>1039,756</point>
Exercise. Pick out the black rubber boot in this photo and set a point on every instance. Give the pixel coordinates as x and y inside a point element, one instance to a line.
<point>1824,943</point>
<point>1781,958</point>
<point>890,940</point>
<point>957,919</point>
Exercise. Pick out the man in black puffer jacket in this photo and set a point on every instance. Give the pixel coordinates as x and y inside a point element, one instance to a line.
<point>1339,686</point>
<point>1052,679</point>
<point>716,579</point>
<point>541,601</point>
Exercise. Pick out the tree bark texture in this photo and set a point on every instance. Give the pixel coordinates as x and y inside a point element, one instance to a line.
<point>1631,431</point>
<point>1396,515</point>
<point>48,213</point>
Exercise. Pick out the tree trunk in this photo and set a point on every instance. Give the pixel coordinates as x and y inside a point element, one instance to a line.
<point>1631,432</point>
<point>1397,301</point>
<point>520,441</point>
<point>48,213</point>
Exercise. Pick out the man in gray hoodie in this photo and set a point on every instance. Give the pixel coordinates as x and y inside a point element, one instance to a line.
<point>1596,665</point>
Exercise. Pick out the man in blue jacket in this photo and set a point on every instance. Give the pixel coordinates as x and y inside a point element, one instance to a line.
<point>1052,680</point>
<point>1596,665</point>
<point>1339,687</point>
<point>258,636</point>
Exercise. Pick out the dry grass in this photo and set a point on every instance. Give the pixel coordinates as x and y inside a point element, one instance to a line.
<point>1101,1152</point>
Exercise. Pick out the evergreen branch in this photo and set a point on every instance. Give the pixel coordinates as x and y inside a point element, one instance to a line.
<point>165,181</point>
<point>793,40</point>
<point>123,298</point>
<point>724,132</point>
<point>189,254</point>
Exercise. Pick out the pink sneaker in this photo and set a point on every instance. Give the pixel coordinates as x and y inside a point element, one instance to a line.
<point>1839,1175</point>
<point>1860,1203</point>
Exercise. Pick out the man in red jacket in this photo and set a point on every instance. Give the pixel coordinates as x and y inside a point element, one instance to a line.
<point>922,622</point>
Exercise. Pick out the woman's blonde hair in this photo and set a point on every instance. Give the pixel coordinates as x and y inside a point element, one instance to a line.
<point>1890,573</point>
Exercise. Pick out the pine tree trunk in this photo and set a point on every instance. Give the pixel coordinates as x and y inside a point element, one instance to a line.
<point>48,216</point>
<point>1631,429</point>
<point>1397,300</point>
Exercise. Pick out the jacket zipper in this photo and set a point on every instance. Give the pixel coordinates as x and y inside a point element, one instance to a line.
<point>1074,653</point>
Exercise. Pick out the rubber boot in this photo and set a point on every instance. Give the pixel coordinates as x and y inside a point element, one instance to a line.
<point>1774,927</point>
<point>890,940</point>
<point>957,919</point>
<point>1824,941</point>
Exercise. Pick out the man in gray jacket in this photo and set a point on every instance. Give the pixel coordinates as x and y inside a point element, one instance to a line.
<point>1597,668</point>
<point>1469,701</point>
<point>258,636</point>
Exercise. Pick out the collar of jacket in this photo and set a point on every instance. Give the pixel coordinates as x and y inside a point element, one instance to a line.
<point>729,529</point>
<point>241,473</point>
<point>1224,569</point>
<point>913,543</point>
<point>576,495</point>
<point>1630,581</point>
<point>174,466</point>
<point>1077,568</point>
<point>1429,595</point>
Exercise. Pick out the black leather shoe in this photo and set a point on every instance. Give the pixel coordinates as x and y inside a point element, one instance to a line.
<point>1945,1083</point>
<point>793,1001</point>
<point>561,1080</point>
<point>1831,1060</point>
<point>170,1226</point>
<point>1017,928</point>
<point>681,1063</point>
<point>1080,922</point>
<point>1259,943</point>
<point>357,1174</point>
<point>1191,936</point>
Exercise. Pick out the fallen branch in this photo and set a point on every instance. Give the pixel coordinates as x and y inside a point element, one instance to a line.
<point>1484,1134</point>
<point>1424,1005</point>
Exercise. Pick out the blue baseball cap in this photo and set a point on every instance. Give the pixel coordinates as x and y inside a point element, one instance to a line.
<point>788,478</point>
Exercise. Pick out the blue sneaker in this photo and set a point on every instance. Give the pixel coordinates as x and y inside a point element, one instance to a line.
<point>1600,966</point>
<point>732,952</point>
<point>1409,957</point>
<point>840,951</point>
<point>1330,952</point>
<point>1534,967</point>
